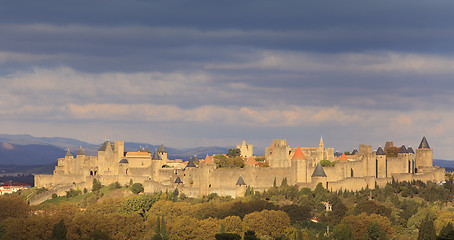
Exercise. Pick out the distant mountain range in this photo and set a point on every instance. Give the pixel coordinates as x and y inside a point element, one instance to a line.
<point>27,150</point>
<point>444,163</point>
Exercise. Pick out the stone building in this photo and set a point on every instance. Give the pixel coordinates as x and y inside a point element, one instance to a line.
<point>300,166</point>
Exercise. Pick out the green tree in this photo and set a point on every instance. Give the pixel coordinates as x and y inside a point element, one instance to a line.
<point>175,194</point>
<point>98,234</point>
<point>327,163</point>
<point>59,232</point>
<point>342,232</point>
<point>427,230</point>
<point>158,226</point>
<point>96,185</point>
<point>157,236</point>
<point>227,236</point>
<point>446,233</point>
<point>370,207</point>
<point>233,152</point>
<point>339,209</point>
<point>13,206</point>
<point>72,193</point>
<point>284,182</point>
<point>137,188</point>
<point>267,222</point>
<point>374,232</point>
<point>138,204</point>
<point>222,230</point>
<point>164,232</point>
<point>391,151</point>
<point>222,161</point>
<point>296,212</point>
<point>250,235</point>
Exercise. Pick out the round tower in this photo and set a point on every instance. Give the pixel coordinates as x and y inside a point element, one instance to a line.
<point>404,157</point>
<point>163,153</point>
<point>424,155</point>
<point>319,176</point>
<point>380,164</point>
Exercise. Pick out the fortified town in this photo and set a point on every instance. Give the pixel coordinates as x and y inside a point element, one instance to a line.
<point>300,166</point>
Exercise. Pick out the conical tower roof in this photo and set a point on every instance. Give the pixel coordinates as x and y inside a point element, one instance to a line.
<point>403,149</point>
<point>240,181</point>
<point>298,155</point>
<point>343,157</point>
<point>207,159</point>
<point>380,151</point>
<point>319,172</point>
<point>191,162</point>
<point>162,149</point>
<point>178,180</point>
<point>124,160</point>
<point>156,156</point>
<point>104,146</point>
<point>410,150</point>
<point>68,154</point>
<point>146,149</point>
<point>81,151</point>
<point>354,152</point>
<point>424,143</point>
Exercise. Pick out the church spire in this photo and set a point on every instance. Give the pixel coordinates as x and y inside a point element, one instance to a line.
<point>321,143</point>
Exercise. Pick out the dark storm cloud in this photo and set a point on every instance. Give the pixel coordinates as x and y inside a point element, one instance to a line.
<point>263,69</point>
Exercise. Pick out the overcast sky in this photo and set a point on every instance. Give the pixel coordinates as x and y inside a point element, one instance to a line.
<point>214,73</point>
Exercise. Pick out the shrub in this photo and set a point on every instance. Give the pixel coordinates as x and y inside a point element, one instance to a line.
<point>72,193</point>
<point>137,188</point>
<point>54,195</point>
<point>114,185</point>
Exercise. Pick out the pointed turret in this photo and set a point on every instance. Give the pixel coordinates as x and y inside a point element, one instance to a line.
<point>424,156</point>
<point>207,159</point>
<point>124,161</point>
<point>156,156</point>
<point>104,146</point>
<point>162,149</point>
<point>146,149</point>
<point>178,180</point>
<point>81,152</point>
<point>410,150</point>
<point>319,172</point>
<point>298,155</point>
<point>192,161</point>
<point>343,157</point>
<point>240,182</point>
<point>68,154</point>
<point>403,149</point>
<point>380,151</point>
<point>424,143</point>
<point>354,151</point>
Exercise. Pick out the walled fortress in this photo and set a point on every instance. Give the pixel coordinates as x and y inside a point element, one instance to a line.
<point>300,166</point>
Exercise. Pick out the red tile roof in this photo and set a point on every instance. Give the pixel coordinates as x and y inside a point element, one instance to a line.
<point>343,157</point>
<point>298,155</point>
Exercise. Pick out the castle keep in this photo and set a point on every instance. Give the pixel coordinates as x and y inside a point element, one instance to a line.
<point>301,166</point>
